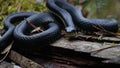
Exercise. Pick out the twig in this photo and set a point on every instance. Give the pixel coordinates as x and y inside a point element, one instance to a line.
<point>103,30</point>
<point>38,29</point>
<point>1,60</point>
<point>0,13</point>
<point>89,37</point>
<point>33,26</point>
<point>80,36</point>
<point>96,51</point>
<point>6,52</point>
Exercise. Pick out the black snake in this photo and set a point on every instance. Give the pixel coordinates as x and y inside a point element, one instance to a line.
<point>66,13</point>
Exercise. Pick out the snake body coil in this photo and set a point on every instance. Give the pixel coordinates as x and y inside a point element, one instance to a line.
<point>62,14</point>
<point>51,33</point>
<point>77,17</point>
<point>66,12</point>
<point>7,37</point>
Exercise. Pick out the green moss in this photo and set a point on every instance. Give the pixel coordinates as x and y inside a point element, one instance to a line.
<point>11,6</point>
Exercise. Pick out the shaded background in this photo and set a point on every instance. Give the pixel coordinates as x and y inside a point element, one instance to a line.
<point>96,8</point>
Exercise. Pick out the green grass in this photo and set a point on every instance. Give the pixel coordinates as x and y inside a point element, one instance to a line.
<point>11,6</point>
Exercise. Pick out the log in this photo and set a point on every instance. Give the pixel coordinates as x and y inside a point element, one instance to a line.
<point>68,54</point>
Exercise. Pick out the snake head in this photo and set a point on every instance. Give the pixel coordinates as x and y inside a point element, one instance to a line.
<point>70,29</point>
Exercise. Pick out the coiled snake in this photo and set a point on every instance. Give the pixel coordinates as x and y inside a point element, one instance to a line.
<point>65,12</point>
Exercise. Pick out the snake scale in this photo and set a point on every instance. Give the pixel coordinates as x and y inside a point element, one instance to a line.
<point>67,14</point>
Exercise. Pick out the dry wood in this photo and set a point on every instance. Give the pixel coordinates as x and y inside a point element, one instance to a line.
<point>110,39</point>
<point>23,61</point>
<point>92,37</point>
<point>96,51</point>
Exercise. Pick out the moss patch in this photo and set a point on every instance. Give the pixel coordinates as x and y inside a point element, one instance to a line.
<point>11,6</point>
